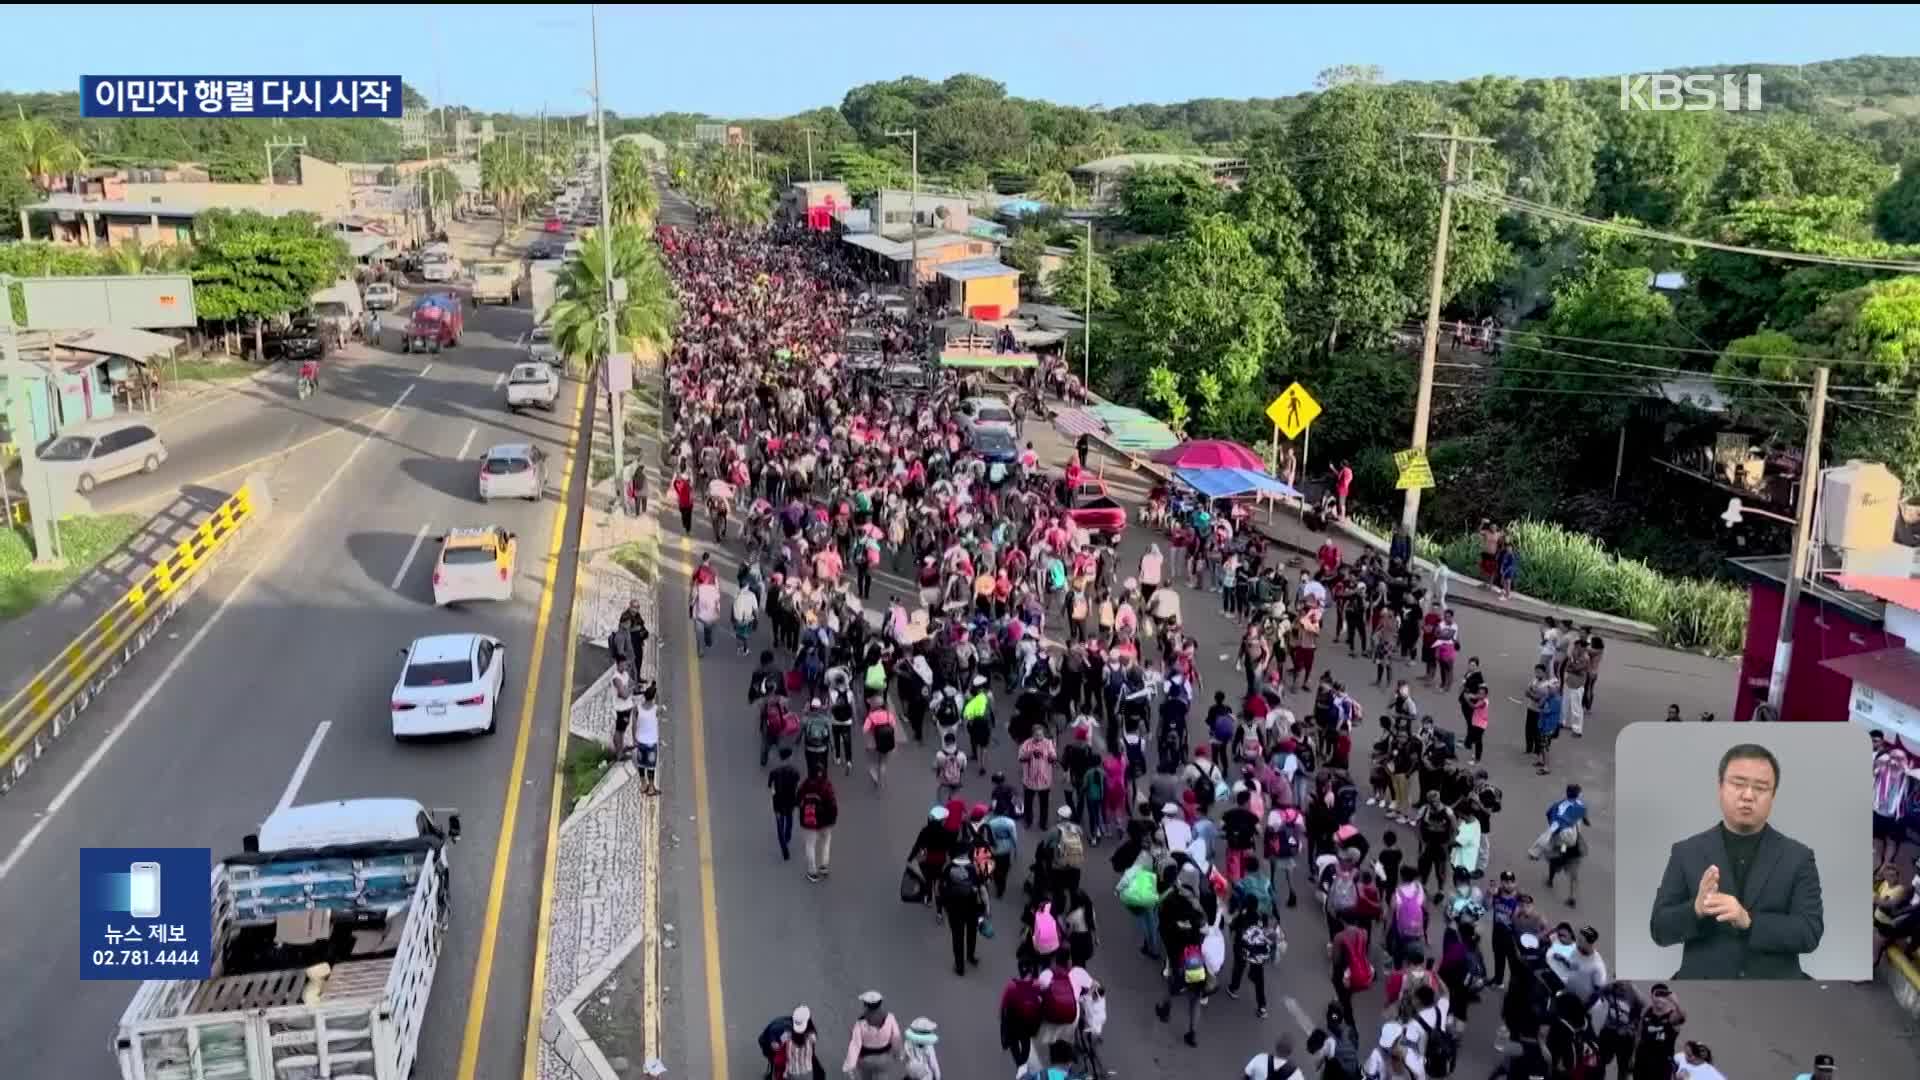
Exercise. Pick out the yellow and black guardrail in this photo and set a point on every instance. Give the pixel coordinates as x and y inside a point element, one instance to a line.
<point>41,710</point>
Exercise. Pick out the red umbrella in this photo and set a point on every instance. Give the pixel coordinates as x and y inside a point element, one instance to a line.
<point>1210,454</point>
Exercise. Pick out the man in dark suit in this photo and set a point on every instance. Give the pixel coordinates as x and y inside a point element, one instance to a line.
<point>1742,898</point>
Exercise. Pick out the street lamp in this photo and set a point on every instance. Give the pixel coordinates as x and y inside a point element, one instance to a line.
<point>1736,511</point>
<point>913,211</point>
<point>614,420</point>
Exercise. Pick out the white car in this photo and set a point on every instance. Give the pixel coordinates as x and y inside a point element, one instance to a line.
<point>381,296</point>
<point>987,412</point>
<point>513,469</point>
<point>540,348</point>
<point>475,564</point>
<point>438,269</point>
<point>449,684</point>
<point>532,385</point>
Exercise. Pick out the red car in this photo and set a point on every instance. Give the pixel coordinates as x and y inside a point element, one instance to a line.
<point>554,225</point>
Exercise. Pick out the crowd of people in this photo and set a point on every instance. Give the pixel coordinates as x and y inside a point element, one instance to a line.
<point>1214,808</point>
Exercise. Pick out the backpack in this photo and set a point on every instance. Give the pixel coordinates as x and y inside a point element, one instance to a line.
<point>960,879</point>
<point>1359,968</point>
<point>1440,1049</point>
<point>883,739</point>
<point>1056,576</point>
<point>774,719</point>
<point>1024,1009</point>
<point>1255,890</point>
<point>817,732</point>
<point>876,677</point>
<point>1223,728</point>
<point>1255,944</point>
<point>1410,914</point>
<point>812,810</point>
<point>952,767</point>
<point>1072,846</point>
<point>1046,931</point>
<point>1138,889</point>
<point>1343,892</point>
<point>1346,801</point>
<point>1303,751</point>
<point>1281,841</point>
<point>1093,786</point>
<point>1062,1005</point>
<point>1193,966</point>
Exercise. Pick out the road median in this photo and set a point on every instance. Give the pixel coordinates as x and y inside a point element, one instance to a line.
<point>50,703</point>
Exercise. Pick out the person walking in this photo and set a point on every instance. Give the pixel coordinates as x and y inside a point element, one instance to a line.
<point>949,768</point>
<point>704,609</point>
<point>1037,757</point>
<point>963,900</point>
<point>784,783</point>
<point>1183,923</point>
<point>646,739</point>
<point>1257,939</point>
<point>683,499</point>
<point>883,733</point>
<point>877,1045</point>
<point>819,811</point>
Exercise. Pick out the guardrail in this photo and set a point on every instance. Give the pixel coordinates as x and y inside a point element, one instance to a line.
<point>41,712</point>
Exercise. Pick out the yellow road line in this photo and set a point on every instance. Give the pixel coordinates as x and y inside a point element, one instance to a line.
<point>510,815</point>
<point>536,1008</point>
<point>709,928</point>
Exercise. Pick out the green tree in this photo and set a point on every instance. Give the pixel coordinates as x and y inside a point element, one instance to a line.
<point>248,266</point>
<point>1069,284</point>
<point>1656,167</point>
<point>37,258</point>
<point>1740,294</point>
<point>1055,188</point>
<point>1547,134</point>
<point>971,131</point>
<point>1161,201</point>
<point>632,199</point>
<point>440,189</point>
<point>1896,213</point>
<point>40,148</point>
<point>15,192</point>
<point>643,321</point>
<point>1786,157</point>
<point>1874,334</point>
<point>235,169</point>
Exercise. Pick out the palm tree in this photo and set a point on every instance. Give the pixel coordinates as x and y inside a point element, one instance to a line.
<point>632,198</point>
<point>1056,187</point>
<point>644,320</point>
<point>440,187</point>
<point>44,150</point>
<point>129,259</point>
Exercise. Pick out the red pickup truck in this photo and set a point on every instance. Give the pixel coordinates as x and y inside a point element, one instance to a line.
<point>1089,507</point>
<point>434,324</point>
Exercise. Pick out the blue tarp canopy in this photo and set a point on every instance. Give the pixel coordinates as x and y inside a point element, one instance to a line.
<point>1228,483</point>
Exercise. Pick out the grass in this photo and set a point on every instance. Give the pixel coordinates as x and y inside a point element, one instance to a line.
<point>641,558</point>
<point>86,540</point>
<point>1573,569</point>
<point>586,763</point>
<point>213,370</point>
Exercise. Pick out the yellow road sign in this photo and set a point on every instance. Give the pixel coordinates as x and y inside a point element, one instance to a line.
<point>1293,410</point>
<point>1415,471</point>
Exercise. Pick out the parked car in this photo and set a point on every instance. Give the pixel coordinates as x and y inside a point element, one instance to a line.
<point>515,469</point>
<point>475,564</point>
<point>301,341</point>
<point>87,455</point>
<point>531,384</point>
<point>440,268</point>
<point>448,684</point>
<point>381,296</point>
<point>987,412</point>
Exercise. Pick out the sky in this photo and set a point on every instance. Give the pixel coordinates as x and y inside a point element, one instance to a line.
<point>748,60</point>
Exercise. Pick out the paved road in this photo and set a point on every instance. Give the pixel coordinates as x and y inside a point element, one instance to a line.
<point>777,940</point>
<point>298,656</point>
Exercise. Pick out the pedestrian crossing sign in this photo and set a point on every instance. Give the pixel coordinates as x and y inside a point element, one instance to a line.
<point>1293,410</point>
<point>1415,472</point>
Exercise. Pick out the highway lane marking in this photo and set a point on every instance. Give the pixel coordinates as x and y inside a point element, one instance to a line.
<point>510,814</point>
<point>467,443</point>
<point>114,734</point>
<point>498,379</point>
<point>1299,1015</point>
<point>300,771</point>
<point>420,537</point>
<point>537,1005</point>
<point>426,370</point>
<point>709,931</point>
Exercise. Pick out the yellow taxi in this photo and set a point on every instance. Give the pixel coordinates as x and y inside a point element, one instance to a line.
<point>475,564</point>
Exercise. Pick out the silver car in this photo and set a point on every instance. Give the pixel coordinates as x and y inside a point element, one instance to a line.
<point>516,469</point>
<point>540,348</point>
<point>87,455</point>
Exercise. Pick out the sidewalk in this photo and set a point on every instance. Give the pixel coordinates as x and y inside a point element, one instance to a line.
<point>1285,527</point>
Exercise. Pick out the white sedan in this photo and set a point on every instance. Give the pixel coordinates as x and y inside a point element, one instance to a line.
<point>449,684</point>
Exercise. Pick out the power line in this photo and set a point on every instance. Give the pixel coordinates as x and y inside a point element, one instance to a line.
<point>1553,390</point>
<point>1744,380</point>
<point>1686,349</point>
<point>1525,206</point>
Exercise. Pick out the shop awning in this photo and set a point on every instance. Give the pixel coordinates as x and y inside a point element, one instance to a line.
<point>1229,483</point>
<point>118,341</point>
<point>971,359</point>
<point>1886,690</point>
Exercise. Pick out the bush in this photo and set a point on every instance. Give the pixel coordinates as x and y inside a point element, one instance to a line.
<point>586,763</point>
<point>641,557</point>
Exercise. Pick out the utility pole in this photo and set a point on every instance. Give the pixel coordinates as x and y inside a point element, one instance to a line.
<point>615,420</point>
<point>1423,402</point>
<point>41,510</point>
<point>281,144</point>
<point>913,215</point>
<point>1802,545</point>
<point>810,133</point>
<point>1086,342</point>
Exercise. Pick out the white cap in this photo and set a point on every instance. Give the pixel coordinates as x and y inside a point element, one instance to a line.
<point>802,1016</point>
<point>1065,813</point>
<point>1170,810</point>
<point>871,999</point>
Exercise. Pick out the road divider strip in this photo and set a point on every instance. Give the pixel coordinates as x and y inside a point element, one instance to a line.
<point>43,710</point>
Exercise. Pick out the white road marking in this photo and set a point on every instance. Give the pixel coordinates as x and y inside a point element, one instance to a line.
<point>467,444</point>
<point>400,575</point>
<point>114,734</point>
<point>1299,1015</point>
<point>425,370</point>
<point>300,770</point>
<point>498,379</point>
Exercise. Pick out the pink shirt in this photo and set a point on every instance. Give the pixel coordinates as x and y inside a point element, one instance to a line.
<point>1036,763</point>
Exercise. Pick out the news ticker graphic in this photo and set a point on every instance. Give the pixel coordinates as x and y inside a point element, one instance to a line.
<point>272,96</point>
<point>146,913</point>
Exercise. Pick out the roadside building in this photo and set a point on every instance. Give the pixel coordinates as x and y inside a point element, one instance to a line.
<point>898,213</point>
<point>983,288</point>
<point>816,202</point>
<point>1101,179</point>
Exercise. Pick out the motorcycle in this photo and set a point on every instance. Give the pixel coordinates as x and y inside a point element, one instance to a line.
<point>309,380</point>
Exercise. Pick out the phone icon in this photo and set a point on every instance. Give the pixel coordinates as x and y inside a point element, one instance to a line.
<point>143,892</point>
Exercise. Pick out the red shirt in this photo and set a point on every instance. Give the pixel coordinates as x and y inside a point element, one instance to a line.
<point>1329,557</point>
<point>683,493</point>
<point>1429,627</point>
<point>1343,483</point>
<point>703,574</point>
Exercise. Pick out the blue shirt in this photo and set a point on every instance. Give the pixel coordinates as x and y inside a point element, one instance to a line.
<point>1567,813</point>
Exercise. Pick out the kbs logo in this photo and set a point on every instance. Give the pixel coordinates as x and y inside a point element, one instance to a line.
<point>1690,93</point>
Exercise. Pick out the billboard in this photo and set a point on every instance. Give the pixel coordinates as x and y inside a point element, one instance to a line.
<point>143,302</point>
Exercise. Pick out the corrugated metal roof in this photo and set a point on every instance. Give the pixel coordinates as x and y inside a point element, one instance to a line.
<point>120,341</point>
<point>77,204</point>
<point>1894,672</point>
<point>1899,591</point>
<point>975,269</point>
<point>877,244</point>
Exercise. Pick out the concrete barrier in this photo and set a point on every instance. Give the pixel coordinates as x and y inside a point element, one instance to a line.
<point>48,706</point>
